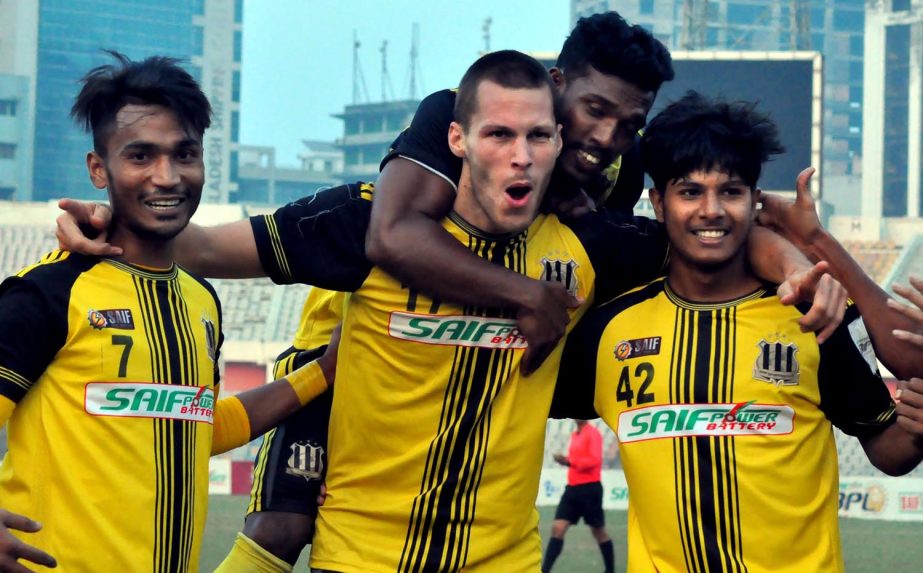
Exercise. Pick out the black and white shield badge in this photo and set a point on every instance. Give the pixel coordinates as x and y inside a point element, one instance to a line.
<point>564,272</point>
<point>777,363</point>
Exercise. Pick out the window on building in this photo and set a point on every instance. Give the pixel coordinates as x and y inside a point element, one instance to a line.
<point>235,126</point>
<point>395,123</point>
<point>238,11</point>
<point>7,107</point>
<point>235,86</point>
<point>238,44</point>
<point>235,166</point>
<point>747,14</point>
<point>196,73</point>
<point>857,45</point>
<point>817,17</point>
<point>849,20</point>
<point>351,156</point>
<point>817,41</point>
<point>900,5</point>
<point>373,124</point>
<point>7,151</point>
<point>855,71</point>
<point>198,7</point>
<point>7,193</point>
<point>352,125</point>
<point>647,7</point>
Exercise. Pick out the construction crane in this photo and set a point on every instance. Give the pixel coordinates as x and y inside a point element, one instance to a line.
<point>414,69</point>
<point>387,92</point>
<point>360,92</point>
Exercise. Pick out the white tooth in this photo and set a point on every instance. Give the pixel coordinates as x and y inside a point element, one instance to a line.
<point>710,234</point>
<point>590,158</point>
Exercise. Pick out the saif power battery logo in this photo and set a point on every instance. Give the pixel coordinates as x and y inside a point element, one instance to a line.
<point>684,420</point>
<point>456,330</point>
<point>144,400</point>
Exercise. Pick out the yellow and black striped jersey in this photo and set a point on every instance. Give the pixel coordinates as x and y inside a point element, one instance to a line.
<point>723,414</point>
<point>436,439</point>
<point>112,369</point>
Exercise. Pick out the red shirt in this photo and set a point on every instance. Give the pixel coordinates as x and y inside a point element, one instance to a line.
<point>585,456</point>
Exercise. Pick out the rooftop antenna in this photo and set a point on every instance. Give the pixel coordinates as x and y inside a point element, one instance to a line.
<point>386,88</point>
<point>485,27</point>
<point>414,63</point>
<point>360,93</point>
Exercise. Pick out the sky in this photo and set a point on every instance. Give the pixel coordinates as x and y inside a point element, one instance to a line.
<point>298,56</point>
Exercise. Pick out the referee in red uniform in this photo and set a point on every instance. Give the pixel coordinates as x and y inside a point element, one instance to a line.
<point>583,496</point>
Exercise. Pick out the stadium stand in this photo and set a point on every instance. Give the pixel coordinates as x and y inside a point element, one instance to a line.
<point>876,258</point>
<point>910,263</point>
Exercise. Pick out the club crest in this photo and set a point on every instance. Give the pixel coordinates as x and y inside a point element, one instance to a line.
<point>777,363</point>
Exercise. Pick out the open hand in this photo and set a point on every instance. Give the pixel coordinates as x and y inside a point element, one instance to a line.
<point>12,549</point>
<point>915,313</point>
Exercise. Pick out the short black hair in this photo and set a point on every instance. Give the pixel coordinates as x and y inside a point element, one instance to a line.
<point>698,133</point>
<point>157,80</point>
<point>507,68</point>
<point>610,45</point>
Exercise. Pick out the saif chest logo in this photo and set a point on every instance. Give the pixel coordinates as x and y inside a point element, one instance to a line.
<point>146,400</point>
<point>687,420</point>
<point>306,460</point>
<point>777,363</point>
<point>118,318</point>
<point>637,348</point>
<point>456,330</point>
<point>564,272</point>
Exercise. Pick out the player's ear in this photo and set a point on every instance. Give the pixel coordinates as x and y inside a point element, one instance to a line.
<point>755,197</point>
<point>457,139</point>
<point>557,76</point>
<point>96,166</point>
<point>656,198</point>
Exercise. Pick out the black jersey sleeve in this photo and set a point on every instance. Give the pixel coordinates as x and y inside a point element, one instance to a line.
<point>625,251</point>
<point>318,240</point>
<point>426,141</point>
<point>575,388</point>
<point>33,327</point>
<point>852,394</point>
<point>629,185</point>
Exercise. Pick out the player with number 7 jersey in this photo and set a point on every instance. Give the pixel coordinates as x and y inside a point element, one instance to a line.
<point>113,372</point>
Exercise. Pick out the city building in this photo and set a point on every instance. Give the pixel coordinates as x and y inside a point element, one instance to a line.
<point>369,129</point>
<point>893,139</point>
<point>262,182</point>
<point>52,43</point>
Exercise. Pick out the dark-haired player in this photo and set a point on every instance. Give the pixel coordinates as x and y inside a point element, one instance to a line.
<point>108,366</point>
<point>722,406</point>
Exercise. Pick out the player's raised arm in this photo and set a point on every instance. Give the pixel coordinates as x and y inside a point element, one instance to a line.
<point>220,251</point>
<point>798,221</point>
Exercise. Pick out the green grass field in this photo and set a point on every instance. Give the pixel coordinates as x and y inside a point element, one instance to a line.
<point>868,546</point>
